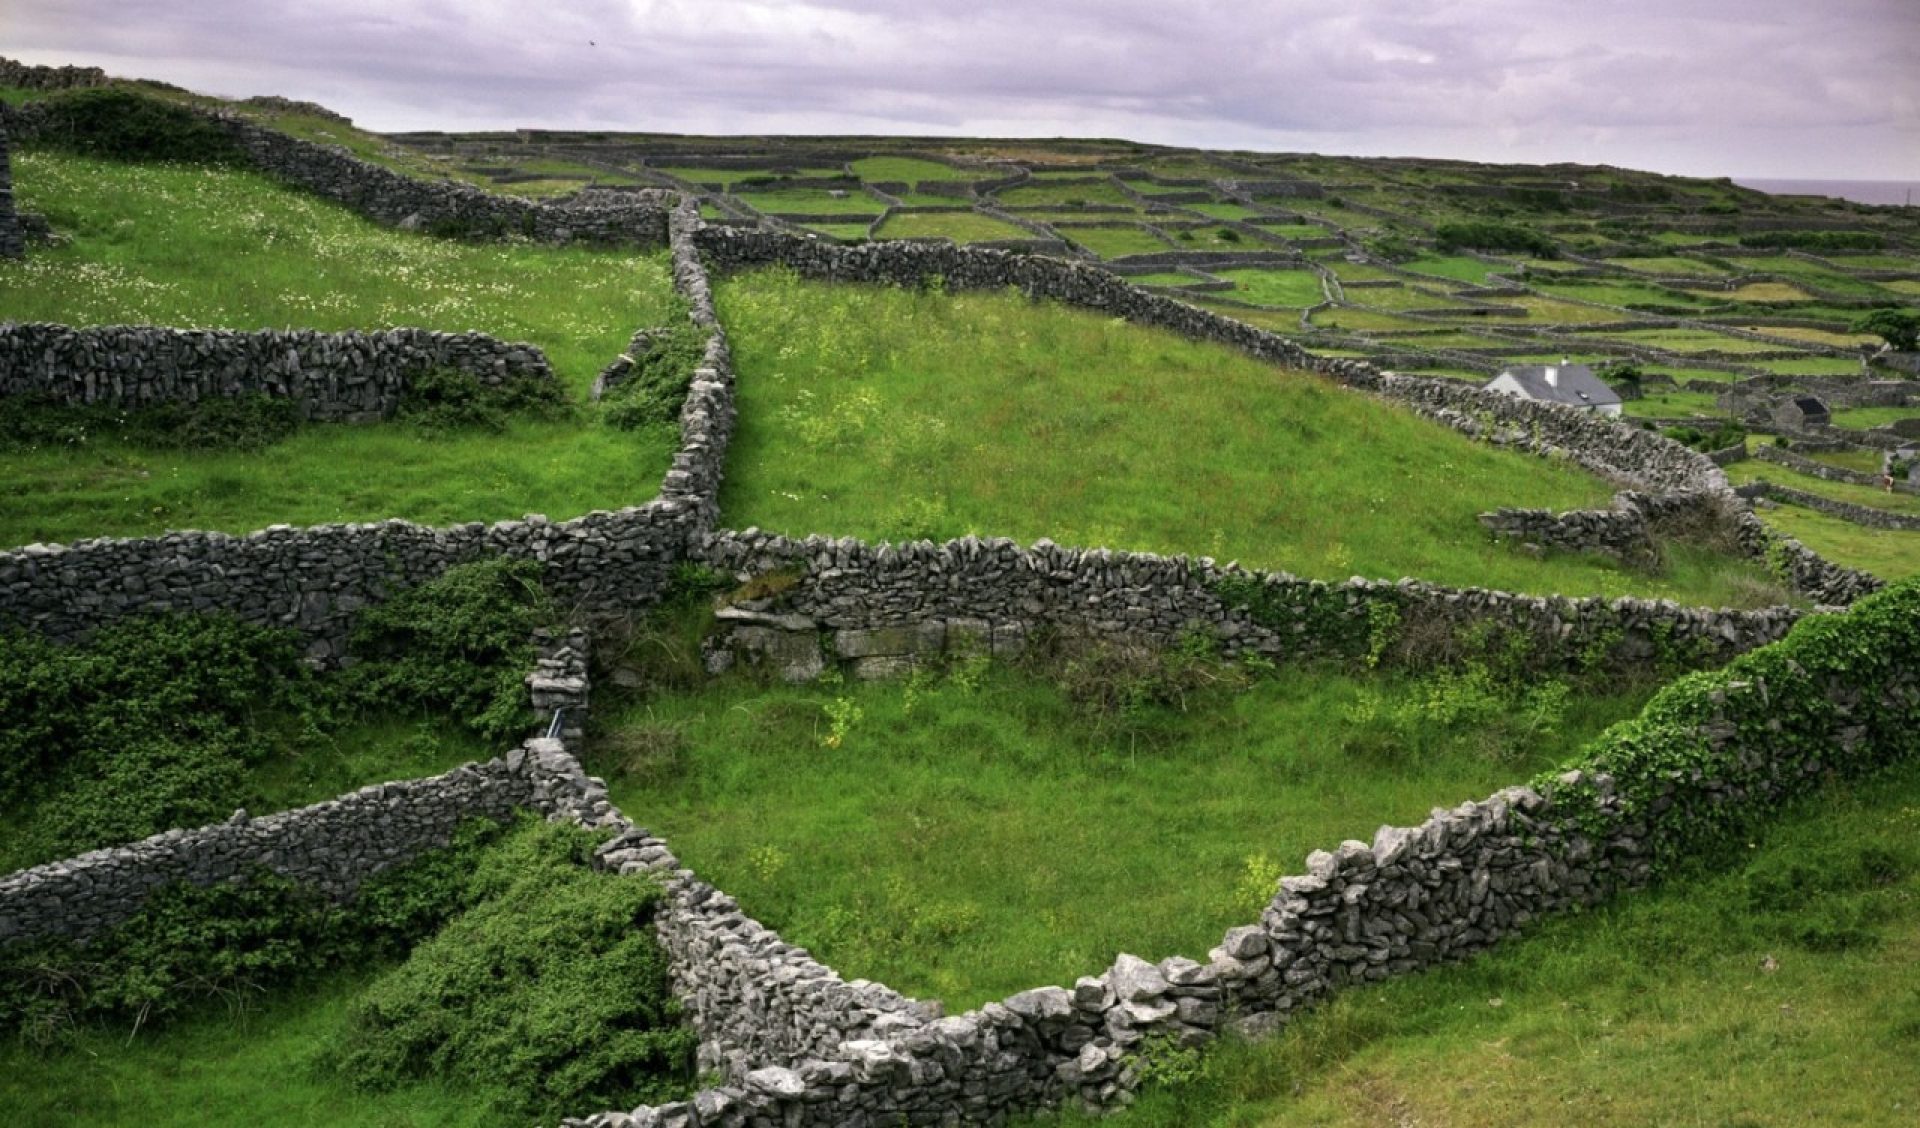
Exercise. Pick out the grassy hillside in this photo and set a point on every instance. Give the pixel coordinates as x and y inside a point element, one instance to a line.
<point>198,247</point>
<point>888,413</point>
<point>1782,990</point>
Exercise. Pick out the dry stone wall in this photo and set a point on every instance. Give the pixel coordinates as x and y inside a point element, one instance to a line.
<point>333,846</point>
<point>875,606</point>
<point>1864,515</point>
<point>26,76</point>
<point>636,219</point>
<point>313,580</point>
<point>334,377</point>
<point>13,238</point>
<point>1412,898</point>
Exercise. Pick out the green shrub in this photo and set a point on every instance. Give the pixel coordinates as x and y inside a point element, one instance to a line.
<point>1814,240</point>
<point>250,422</point>
<point>1481,235</point>
<point>189,944</point>
<point>149,726</point>
<point>1763,728</point>
<point>458,644</point>
<point>550,992</point>
<point>441,400</point>
<point>127,126</point>
<point>657,383</point>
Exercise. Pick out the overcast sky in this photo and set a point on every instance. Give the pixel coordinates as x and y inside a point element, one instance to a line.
<point>1755,88</point>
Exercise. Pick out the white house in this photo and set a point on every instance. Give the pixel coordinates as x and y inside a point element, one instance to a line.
<point>1572,384</point>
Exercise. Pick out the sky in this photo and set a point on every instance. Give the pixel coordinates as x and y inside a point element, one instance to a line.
<point>1826,89</point>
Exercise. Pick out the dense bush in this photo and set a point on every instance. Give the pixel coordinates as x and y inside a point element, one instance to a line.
<point>150,726</point>
<point>1485,236</point>
<point>1719,437</point>
<point>189,944</point>
<point>161,722</point>
<point>1814,240</point>
<point>127,126</point>
<point>1763,729</point>
<point>548,992</point>
<point>656,385</point>
<point>216,423</point>
<point>459,644</point>
<point>439,400</point>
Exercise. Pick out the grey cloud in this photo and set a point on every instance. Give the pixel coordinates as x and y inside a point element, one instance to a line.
<point>1708,86</point>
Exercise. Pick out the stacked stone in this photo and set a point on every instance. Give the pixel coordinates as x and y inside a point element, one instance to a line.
<point>1413,898</point>
<point>314,580</point>
<point>332,846</point>
<point>13,240</point>
<point>905,602</point>
<point>1622,534</point>
<point>559,684</point>
<point>707,414</point>
<point>334,377</point>
<point>1800,464</point>
<point>1863,515</point>
<point>26,76</point>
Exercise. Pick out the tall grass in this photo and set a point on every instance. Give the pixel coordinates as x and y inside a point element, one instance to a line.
<point>197,247</point>
<point>1781,990</point>
<point>974,834</point>
<point>890,413</point>
<point>247,1067</point>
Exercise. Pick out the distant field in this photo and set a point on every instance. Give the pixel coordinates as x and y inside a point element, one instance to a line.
<point>1902,503</point>
<point>1113,242</point>
<point>1461,268</point>
<point>1891,554</point>
<point>909,170</point>
<point>728,177</point>
<point>1297,288</point>
<point>1864,417</point>
<point>961,227</point>
<point>1669,265</point>
<point>1051,422</point>
<point>811,201</point>
<point>1103,191</point>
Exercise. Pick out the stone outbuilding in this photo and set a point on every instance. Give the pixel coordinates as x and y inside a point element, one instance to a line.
<point>1567,383</point>
<point>1800,413</point>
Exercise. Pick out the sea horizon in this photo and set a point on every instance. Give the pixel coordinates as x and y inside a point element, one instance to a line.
<point>1883,192</point>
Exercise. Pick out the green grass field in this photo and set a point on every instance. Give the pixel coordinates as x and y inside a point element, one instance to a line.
<point>1891,554</point>
<point>1050,422</point>
<point>1865,417</point>
<point>1460,268</point>
<point>1852,493</point>
<point>961,227</point>
<point>194,247</point>
<point>1048,194</point>
<point>235,1069</point>
<point>1293,288</point>
<point>1113,242</point>
<point>1777,989</point>
<point>908,170</point>
<point>811,201</point>
<point>931,846</point>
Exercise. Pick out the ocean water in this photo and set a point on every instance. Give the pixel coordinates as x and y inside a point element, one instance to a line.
<point>1859,191</point>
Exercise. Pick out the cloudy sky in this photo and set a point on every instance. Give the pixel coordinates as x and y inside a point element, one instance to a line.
<point>1754,88</point>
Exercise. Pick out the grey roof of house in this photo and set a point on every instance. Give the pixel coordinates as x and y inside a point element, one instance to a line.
<point>1577,385</point>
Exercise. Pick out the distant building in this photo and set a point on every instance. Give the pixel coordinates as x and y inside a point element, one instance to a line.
<point>1574,385</point>
<point>1801,412</point>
